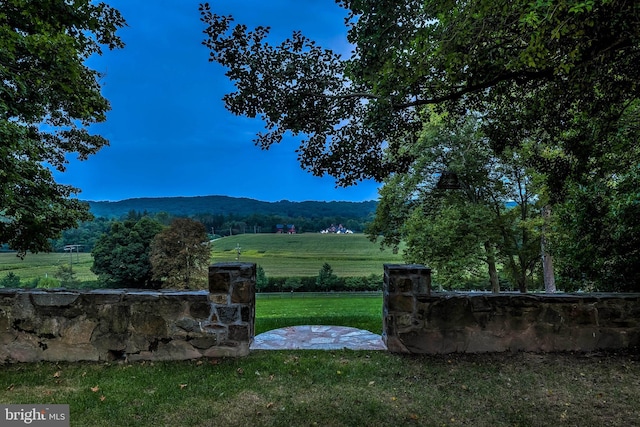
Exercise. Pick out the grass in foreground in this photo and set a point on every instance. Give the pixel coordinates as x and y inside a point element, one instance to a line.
<point>340,388</point>
<point>340,309</point>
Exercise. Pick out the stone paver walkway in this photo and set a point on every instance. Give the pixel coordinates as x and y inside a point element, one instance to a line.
<point>318,337</point>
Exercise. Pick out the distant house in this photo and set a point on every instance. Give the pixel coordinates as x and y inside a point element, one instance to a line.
<point>289,229</point>
<point>339,229</point>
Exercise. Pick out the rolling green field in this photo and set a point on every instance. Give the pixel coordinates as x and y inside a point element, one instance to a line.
<point>285,255</point>
<point>280,255</point>
<point>35,266</point>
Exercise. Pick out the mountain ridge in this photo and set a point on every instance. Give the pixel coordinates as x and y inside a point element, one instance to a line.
<point>228,205</point>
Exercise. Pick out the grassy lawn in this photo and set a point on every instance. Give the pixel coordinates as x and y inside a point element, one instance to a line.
<point>286,255</point>
<point>340,388</point>
<point>35,266</point>
<point>356,310</point>
<point>280,255</point>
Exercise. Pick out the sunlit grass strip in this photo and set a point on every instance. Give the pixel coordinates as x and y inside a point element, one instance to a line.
<point>362,312</point>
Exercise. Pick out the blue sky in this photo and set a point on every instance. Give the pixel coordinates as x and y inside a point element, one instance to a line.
<point>168,130</point>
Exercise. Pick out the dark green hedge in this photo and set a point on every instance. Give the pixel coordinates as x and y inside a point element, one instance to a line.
<point>372,282</point>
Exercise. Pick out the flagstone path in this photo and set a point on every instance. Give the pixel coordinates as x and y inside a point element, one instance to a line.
<point>318,337</point>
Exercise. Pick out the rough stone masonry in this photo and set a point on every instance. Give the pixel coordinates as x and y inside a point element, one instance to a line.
<point>417,320</point>
<point>63,325</point>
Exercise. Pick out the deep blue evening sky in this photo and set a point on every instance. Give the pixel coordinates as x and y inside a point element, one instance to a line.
<point>169,132</point>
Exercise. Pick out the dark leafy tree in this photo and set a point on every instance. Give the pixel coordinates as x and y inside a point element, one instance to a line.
<point>121,256</point>
<point>48,100</point>
<point>262,282</point>
<point>85,234</point>
<point>598,247</point>
<point>555,83</point>
<point>326,279</point>
<point>463,233</point>
<point>180,255</point>
<point>559,60</point>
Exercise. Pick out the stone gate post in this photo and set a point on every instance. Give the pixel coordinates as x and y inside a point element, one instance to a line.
<point>403,285</point>
<point>232,292</point>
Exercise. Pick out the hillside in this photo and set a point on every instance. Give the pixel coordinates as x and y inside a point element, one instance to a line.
<point>225,205</point>
<point>280,255</point>
<point>284,255</point>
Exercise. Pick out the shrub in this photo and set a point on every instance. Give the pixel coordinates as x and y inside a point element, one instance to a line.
<point>262,282</point>
<point>373,282</point>
<point>11,280</point>
<point>292,283</point>
<point>47,283</point>
<point>67,276</point>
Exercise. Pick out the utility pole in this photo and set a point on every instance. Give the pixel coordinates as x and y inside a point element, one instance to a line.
<point>70,249</point>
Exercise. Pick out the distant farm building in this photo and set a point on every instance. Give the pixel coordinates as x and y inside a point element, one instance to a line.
<point>336,229</point>
<point>289,229</point>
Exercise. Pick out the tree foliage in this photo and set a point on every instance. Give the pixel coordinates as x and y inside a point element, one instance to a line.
<point>326,279</point>
<point>462,234</point>
<point>66,276</point>
<point>121,256</point>
<point>555,84</point>
<point>84,234</point>
<point>180,255</point>
<point>261,279</point>
<point>562,59</point>
<point>230,206</point>
<point>10,280</point>
<point>599,221</point>
<point>48,99</point>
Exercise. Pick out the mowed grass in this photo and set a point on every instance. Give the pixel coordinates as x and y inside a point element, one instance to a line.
<point>340,388</point>
<point>280,255</point>
<point>36,266</point>
<point>296,255</point>
<point>362,311</point>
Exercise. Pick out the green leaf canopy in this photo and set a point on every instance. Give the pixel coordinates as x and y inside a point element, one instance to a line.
<point>48,99</point>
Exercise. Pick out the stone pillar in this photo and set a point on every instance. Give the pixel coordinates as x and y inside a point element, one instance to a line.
<point>403,285</point>
<point>232,292</point>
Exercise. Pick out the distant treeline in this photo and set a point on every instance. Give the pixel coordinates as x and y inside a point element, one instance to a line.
<point>227,206</point>
<point>308,217</point>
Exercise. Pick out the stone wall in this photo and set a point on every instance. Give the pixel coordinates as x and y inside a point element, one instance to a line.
<point>418,321</point>
<point>61,325</point>
<point>131,325</point>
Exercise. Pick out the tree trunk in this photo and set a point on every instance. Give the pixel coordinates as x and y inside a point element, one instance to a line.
<point>547,272</point>
<point>493,271</point>
<point>522,284</point>
<point>547,260</point>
